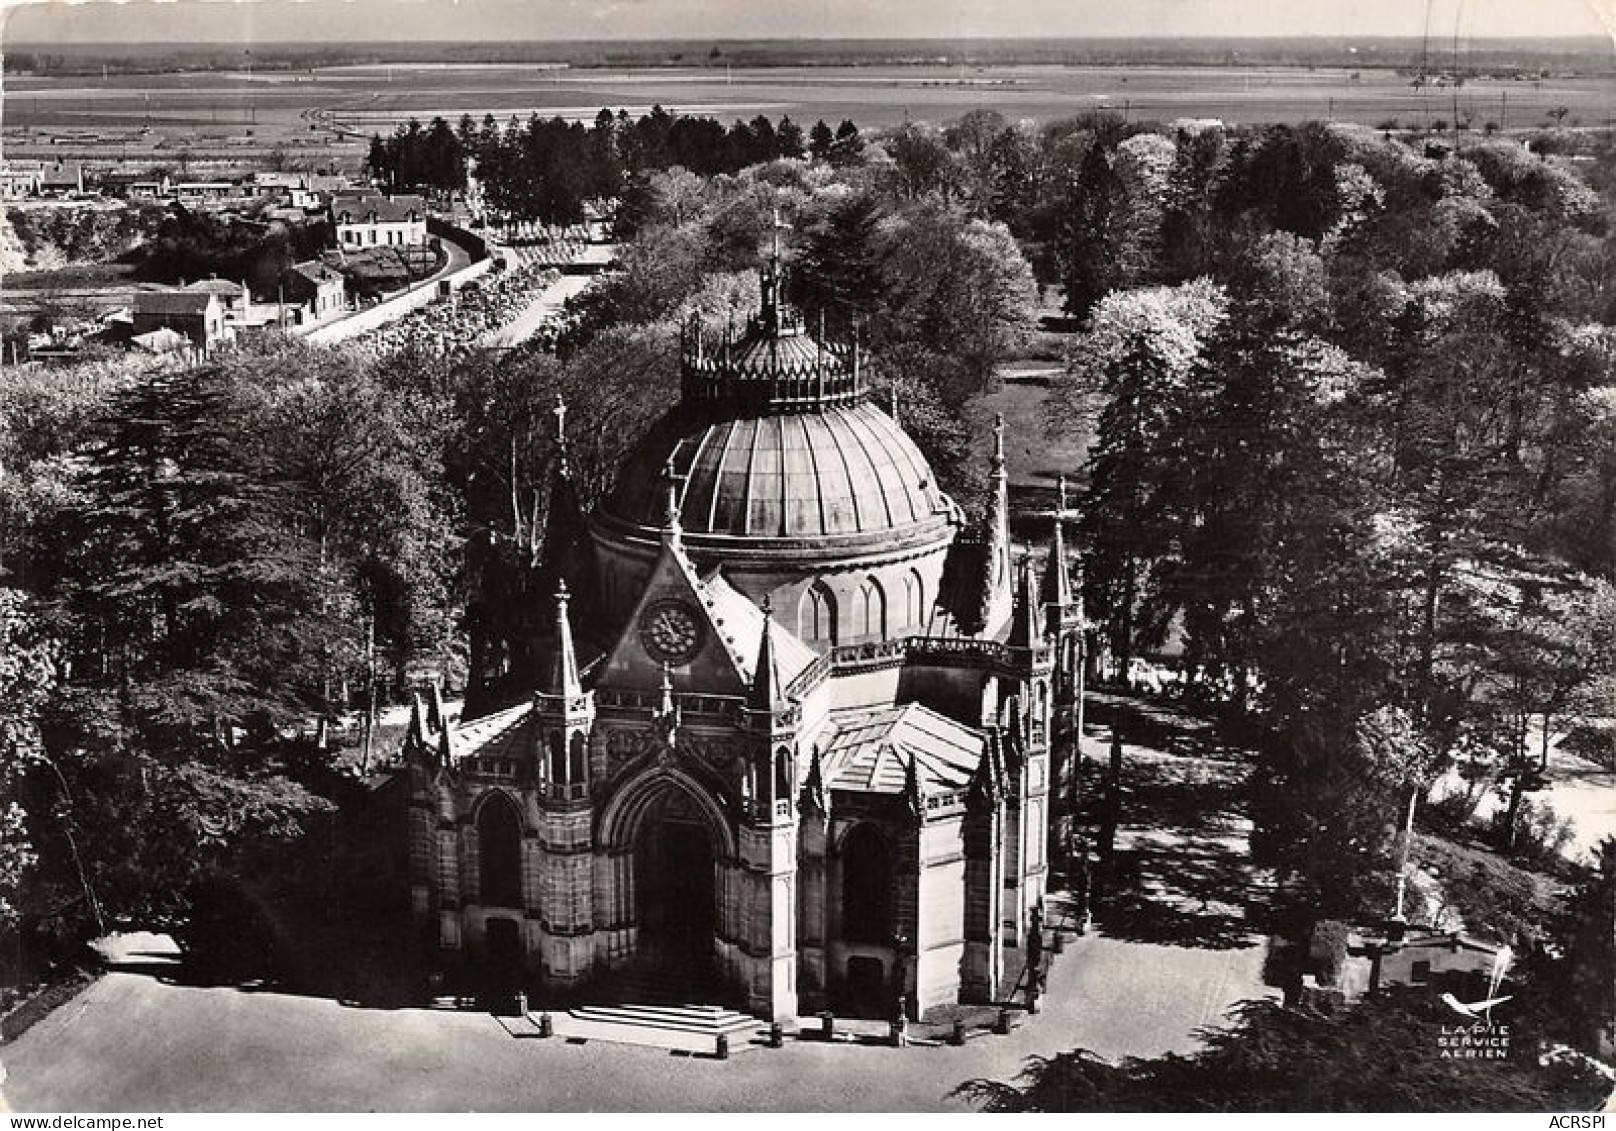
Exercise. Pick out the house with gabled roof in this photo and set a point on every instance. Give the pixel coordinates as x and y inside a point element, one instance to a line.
<point>369,219</point>
<point>199,315</point>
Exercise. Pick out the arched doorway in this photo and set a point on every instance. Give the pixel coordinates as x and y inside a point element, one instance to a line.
<point>675,870</point>
<point>499,852</point>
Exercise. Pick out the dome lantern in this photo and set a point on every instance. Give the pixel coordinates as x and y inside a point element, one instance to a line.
<point>775,365</point>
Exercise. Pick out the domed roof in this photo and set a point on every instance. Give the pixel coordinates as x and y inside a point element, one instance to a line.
<point>845,469</point>
<point>774,442</point>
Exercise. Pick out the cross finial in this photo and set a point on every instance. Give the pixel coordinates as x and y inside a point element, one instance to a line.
<point>998,441</point>
<point>1060,487</point>
<point>560,414</point>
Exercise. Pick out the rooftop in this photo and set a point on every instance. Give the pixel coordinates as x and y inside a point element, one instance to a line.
<point>174,302</point>
<point>215,287</point>
<point>869,750</point>
<point>358,208</point>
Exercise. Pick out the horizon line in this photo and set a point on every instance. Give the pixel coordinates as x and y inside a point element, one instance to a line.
<point>566,40</point>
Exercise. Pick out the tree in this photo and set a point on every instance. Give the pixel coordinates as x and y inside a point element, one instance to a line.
<point>1084,236</point>
<point>838,261</point>
<point>789,139</point>
<point>1547,650</point>
<point>1577,999</point>
<point>922,164</point>
<point>848,147</point>
<point>1137,361</point>
<point>179,576</point>
<point>820,140</point>
<point>29,670</point>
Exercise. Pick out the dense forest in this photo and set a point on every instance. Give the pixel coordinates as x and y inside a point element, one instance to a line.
<point>1352,415</point>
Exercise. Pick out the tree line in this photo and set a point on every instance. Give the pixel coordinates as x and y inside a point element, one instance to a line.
<point>545,169</point>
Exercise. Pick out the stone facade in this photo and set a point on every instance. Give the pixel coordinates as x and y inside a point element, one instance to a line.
<point>844,810</point>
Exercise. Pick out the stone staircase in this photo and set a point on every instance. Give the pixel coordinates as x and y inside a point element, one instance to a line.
<point>687,1028</point>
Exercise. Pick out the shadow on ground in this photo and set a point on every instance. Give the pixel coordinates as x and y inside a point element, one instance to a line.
<point>1180,872</point>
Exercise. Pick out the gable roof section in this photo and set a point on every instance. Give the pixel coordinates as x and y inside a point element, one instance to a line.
<point>511,733</point>
<point>215,287</point>
<point>315,272</point>
<point>174,302</point>
<point>741,624</point>
<point>870,750</point>
<point>388,210</point>
<point>716,667</point>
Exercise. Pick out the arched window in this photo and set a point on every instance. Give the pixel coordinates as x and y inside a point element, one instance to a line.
<point>816,615</point>
<point>914,599</point>
<point>870,610</point>
<point>782,774</point>
<point>499,852</point>
<point>866,886</point>
<point>577,770</point>
<point>558,758</point>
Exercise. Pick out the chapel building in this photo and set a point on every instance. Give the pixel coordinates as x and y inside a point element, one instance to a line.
<point>810,765</point>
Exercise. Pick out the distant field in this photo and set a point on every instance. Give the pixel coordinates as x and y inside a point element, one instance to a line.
<point>325,112</point>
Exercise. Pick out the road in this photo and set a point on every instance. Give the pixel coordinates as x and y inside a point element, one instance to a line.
<point>548,303</point>
<point>544,308</point>
<point>1170,958</point>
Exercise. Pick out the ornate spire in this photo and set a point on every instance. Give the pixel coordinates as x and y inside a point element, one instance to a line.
<point>776,365</point>
<point>765,688</point>
<point>415,737</point>
<point>985,788</point>
<point>445,747</point>
<point>563,674</point>
<point>769,317</point>
<point>672,526</point>
<point>813,786</point>
<point>1026,625</point>
<point>436,717</point>
<point>1057,585</point>
<point>560,414</point>
<point>1000,582</point>
<point>914,792</point>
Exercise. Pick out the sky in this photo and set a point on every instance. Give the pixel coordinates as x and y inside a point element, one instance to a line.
<point>146,21</point>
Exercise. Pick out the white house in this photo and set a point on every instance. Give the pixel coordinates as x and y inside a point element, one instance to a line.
<point>373,220</point>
